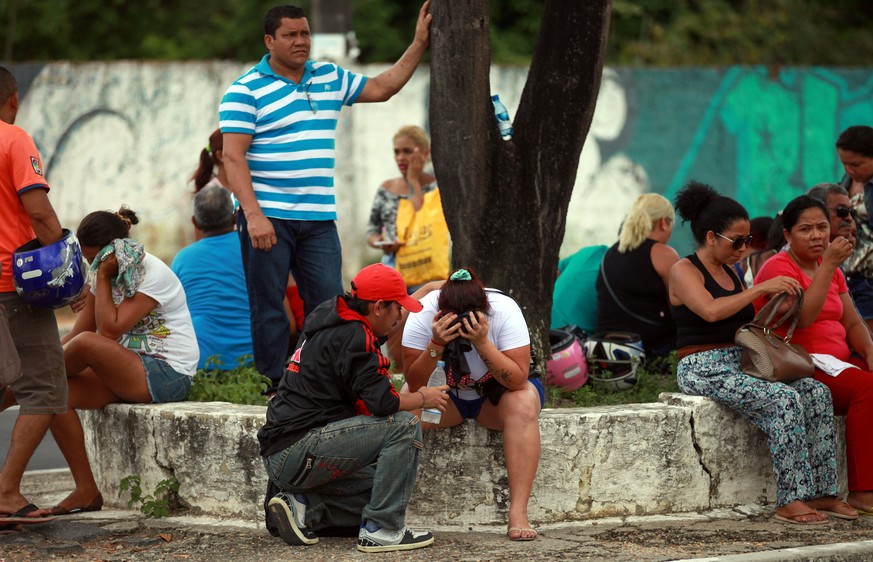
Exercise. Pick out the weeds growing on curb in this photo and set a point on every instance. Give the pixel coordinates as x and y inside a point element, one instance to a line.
<point>244,385</point>
<point>653,377</point>
<point>159,504</point>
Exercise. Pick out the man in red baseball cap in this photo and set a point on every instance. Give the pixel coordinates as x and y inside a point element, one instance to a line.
<point>335,413</point>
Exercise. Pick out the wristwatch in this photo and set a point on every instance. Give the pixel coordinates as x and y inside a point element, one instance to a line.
<point>433,352</point>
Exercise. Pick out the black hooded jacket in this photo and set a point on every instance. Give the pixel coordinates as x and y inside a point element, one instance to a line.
<point>337,372</point>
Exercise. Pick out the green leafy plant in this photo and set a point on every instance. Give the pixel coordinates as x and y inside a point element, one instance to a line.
<point>156,505</point>
<point>241,385</point>
<point>653,377</point>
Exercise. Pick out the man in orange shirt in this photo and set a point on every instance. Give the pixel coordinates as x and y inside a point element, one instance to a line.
<point>31,358</point>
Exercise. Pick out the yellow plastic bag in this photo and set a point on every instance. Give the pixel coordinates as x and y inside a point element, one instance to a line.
<point>424,255</point>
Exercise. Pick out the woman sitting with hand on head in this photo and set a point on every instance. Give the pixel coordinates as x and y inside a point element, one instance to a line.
<point>830,324</point>
<point>709,305</point>
<point>132,343</point>
<point>483,338</point>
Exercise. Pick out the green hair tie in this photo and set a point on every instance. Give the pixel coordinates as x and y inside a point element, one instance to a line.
<point>461,275</point>
<point>207,149</point>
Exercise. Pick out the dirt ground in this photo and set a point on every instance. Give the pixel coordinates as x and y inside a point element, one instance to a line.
<point>123,535</point>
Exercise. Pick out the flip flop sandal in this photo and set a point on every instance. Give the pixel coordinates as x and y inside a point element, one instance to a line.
<point>868,512</point>
<point>839,515</point>
<point>94,505</point>
<point>795,521</point>
<point>23,512</point>
<point>12,521</point>
<point>521,531</point>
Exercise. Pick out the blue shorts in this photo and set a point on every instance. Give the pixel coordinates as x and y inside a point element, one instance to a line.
<point>469,409</point>
<point>165,383</point>
<point>861,291</point>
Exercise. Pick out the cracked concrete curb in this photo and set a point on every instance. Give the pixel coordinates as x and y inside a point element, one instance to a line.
<point>836,552</point>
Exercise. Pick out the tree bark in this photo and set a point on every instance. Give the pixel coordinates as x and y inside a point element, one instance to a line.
<point>506,202</point>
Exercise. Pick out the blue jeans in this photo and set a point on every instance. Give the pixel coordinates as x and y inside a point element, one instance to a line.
<point>311,251</point>
<point>336,468</point>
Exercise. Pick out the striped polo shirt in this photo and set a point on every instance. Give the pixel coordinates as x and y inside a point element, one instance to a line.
<point>293,129</point>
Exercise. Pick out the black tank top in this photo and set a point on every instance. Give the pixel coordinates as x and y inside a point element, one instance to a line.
<point>694,330</point>
<point>638,285</point>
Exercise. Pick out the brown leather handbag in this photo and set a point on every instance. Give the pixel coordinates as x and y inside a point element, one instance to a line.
<point>768,356</point>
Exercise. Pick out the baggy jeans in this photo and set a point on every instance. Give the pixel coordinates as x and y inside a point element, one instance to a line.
<point>354,470</point>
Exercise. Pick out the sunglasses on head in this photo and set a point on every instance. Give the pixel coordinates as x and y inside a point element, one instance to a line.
<point>737,243</point>
<point>842,211</point>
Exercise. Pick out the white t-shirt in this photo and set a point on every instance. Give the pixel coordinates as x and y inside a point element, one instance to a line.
<point>506,330</point>
<point>167,332</point>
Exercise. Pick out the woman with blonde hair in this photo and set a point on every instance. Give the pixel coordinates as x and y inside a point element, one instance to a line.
<point>411,152</point>
<point>634,276</point>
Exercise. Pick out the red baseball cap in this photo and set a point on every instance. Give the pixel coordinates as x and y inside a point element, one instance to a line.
<point>378,282</point>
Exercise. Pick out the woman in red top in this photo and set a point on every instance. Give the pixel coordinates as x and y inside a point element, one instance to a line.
<point>829,324</point>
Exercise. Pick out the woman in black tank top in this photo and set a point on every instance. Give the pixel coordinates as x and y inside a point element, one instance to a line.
<point>632,283</point>
<point>709,304</point>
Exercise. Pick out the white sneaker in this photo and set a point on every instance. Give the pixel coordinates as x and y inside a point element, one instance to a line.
<point>383,540</point>
<point>288,514</point>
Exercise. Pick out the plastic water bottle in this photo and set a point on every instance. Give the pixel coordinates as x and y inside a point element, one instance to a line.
<point>437,378</point>
<point>503,122</point>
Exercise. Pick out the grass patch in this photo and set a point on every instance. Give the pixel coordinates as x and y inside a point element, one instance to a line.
<point>653,377</point>
<point>244,385</point>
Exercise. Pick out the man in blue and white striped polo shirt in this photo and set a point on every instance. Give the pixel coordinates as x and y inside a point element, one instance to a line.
<point>279,125</point>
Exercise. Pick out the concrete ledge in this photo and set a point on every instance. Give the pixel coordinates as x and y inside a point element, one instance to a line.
<point>684,454</point>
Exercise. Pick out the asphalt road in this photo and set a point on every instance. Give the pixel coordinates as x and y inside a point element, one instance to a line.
<point>47,454</point>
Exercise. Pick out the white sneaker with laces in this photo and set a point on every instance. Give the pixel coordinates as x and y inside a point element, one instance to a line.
<point>383,540</point>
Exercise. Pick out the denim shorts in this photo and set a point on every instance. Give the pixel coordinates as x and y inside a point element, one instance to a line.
<point>165,383</point>
<point>469,409</point>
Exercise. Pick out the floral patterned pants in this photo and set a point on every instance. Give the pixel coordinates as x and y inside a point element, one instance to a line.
<point>797,418</point>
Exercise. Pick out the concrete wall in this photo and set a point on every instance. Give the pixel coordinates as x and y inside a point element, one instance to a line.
<point>686,454</point>
<point>131,132</point>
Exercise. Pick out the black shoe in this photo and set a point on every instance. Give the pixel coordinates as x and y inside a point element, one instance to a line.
<point>287,514</point>
<point>383,540</point>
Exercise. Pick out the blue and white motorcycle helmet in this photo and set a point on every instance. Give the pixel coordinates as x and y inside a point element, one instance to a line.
<point>49,276</point>
<point>613,358</point>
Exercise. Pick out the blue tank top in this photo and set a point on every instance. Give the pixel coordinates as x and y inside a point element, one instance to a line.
<point>694,330</point>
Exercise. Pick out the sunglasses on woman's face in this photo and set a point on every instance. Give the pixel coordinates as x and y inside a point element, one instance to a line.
<point>842,211</point>
<point>737,243</point>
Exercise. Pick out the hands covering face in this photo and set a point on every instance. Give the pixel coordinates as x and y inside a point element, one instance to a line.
<point>472,325</point>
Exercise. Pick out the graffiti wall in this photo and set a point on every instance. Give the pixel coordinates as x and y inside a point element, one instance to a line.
<point>130,133</point>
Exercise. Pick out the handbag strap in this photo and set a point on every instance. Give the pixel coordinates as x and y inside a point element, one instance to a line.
<point>765,316</point>
<point>617,301</point>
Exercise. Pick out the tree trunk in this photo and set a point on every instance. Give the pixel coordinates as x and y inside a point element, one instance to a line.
<point>506,202</point>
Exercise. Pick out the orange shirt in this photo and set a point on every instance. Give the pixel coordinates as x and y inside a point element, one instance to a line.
<point>20,170</point>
